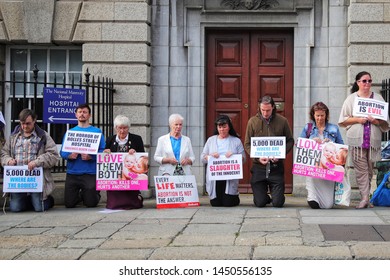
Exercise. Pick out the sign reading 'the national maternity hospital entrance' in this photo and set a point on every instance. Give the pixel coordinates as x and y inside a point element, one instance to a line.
<point>59,104</point>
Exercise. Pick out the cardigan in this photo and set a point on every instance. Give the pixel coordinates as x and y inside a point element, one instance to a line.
<point>355,131</point>
<point>235,146</point>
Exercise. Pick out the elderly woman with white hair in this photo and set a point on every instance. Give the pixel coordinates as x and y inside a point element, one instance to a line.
<point>174,151</point>
<point>124,142</point>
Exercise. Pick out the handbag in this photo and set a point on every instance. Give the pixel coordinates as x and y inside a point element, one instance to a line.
<point>342,192</point>
<point>381,196</point>
<point>125,200</point>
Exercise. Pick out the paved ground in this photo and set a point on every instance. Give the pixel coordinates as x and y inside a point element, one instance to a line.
<point>240,233</point>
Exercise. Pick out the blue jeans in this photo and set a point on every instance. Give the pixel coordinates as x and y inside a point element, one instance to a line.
<point>27,201</point>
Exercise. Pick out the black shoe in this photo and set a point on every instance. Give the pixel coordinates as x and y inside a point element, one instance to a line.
<point>313,204</point>
<point>50,201</point>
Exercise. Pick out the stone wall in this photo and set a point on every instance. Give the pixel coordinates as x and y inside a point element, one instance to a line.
<point>115,37</point>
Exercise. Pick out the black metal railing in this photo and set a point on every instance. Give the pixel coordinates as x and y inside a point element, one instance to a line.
<point>29,94</point>
<point>385,91</point>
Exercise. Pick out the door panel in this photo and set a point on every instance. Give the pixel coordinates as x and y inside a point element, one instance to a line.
<point>243,66</point>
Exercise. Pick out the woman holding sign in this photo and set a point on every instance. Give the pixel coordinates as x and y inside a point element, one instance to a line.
<point>174,151</point>
<point>124,142</point>
<point>225,141</point>
<point>364,132</point>
<point>320,192</point>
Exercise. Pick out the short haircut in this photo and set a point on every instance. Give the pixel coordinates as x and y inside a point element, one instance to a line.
<point>25,113</point>
<point>122,120</point>
<point>82,106</point>
<point>175,117</point>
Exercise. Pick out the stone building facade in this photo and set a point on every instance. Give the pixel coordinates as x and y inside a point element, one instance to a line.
<point>156,52</point>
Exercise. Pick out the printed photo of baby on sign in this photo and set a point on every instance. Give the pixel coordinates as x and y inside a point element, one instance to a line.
<point>323,161</point>
<point>122,171</point>
<point>135,168</point>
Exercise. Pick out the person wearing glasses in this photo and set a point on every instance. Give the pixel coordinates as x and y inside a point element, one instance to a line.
<point>31,146</point>
<point>364,135</point>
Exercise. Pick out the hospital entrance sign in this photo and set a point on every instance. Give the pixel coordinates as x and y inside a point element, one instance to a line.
<point>59,104</point>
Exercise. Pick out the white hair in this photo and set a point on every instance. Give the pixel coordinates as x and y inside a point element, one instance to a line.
<point>175,117</point>
<point>121,120</point>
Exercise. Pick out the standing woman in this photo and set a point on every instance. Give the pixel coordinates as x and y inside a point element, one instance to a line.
<point>320,193</point>
<point>364,135</point>
<point>174,151</point>
<point>225,141</point>
<point>124,142</point>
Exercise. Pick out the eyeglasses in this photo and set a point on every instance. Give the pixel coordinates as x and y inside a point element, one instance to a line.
<point>365,81</point>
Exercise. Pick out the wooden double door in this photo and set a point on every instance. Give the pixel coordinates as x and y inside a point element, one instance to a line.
<point>241,67</point>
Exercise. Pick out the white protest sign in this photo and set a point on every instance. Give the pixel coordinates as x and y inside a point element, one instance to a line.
<point>224,168</point>
<point>363,107</point>
<point>176,191</point>
<point>20,179</point>
<point>271,147</point>
<point>81,142</point>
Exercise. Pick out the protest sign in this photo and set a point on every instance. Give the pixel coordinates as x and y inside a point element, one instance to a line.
<point>363,107</point>
<point>176,191</point>
<point>81,142</point>
<point>224,168</point>
<point>323,161</point>
<point>272,147</point>
<point>121,171</point>
<point>20,179</point>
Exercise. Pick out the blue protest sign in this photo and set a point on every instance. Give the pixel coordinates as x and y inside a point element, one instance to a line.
<point>59,104</point>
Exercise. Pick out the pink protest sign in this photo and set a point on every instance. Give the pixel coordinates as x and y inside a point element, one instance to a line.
<point>320,160</point>
<point>121,171</point>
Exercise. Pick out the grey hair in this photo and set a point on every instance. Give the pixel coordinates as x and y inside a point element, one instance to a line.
<point>175,117</point>
<point>121,120</point>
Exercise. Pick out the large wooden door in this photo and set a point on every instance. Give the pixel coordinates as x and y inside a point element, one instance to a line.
<point>241,67</point>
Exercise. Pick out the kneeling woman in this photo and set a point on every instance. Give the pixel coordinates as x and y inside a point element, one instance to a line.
<point>225,141</point>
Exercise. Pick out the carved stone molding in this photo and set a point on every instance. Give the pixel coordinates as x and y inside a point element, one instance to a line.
<point>249,4</point>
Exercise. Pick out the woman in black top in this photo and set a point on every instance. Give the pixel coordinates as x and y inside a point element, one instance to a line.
<point>124,142</point>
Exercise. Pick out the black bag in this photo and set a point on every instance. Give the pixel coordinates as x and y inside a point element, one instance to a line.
<point>125,200</point>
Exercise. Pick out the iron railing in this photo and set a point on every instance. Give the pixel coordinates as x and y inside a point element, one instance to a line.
<point>99,96</point>
<point>385,91</point>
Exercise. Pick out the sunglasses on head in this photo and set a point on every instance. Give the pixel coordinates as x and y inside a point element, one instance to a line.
<point>365,81</point>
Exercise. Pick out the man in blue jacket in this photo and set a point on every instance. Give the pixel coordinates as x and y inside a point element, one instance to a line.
<point>80,183</point>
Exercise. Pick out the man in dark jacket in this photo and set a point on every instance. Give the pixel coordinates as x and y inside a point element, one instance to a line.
<point>268,173</point>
